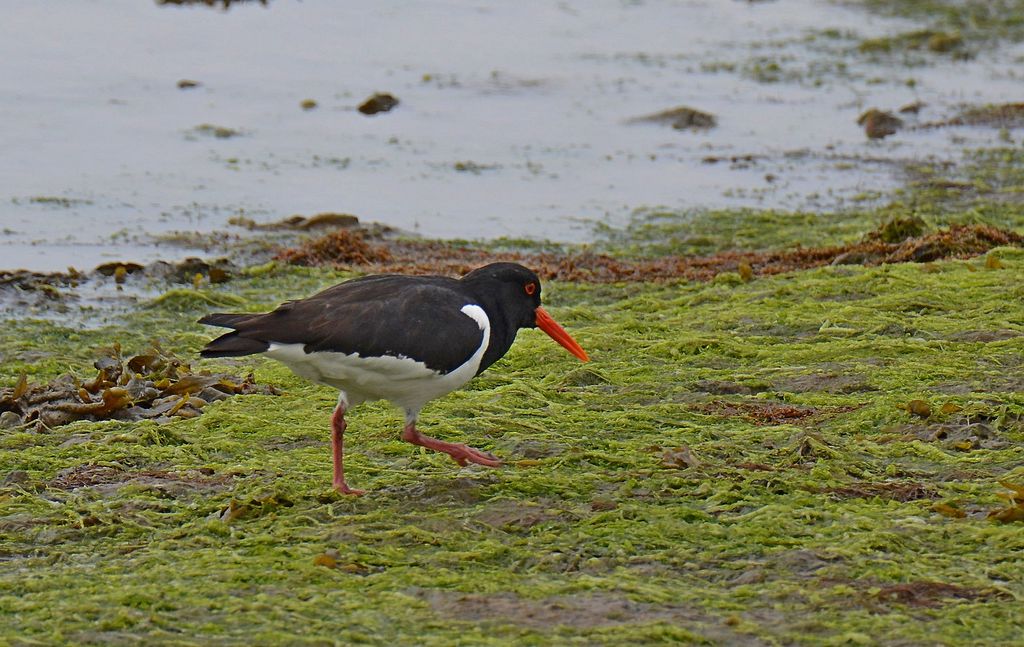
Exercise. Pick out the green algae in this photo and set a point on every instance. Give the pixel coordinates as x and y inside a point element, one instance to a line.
<point>922,39</point>
<point>985,187</point>
<point>654,232</point>
<point>942,29</point>
<point>57,201</point>
<point>979,20</point>
<point>953,28</point>
<point>212,530</point>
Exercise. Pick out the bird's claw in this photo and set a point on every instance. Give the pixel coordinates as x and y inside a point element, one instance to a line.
<point>343,488</point>
<point>464,455</point>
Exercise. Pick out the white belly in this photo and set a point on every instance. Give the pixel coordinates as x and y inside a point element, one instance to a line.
<point>403,381</point>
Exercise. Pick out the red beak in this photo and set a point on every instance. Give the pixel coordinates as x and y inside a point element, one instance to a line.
<point>556,332</point>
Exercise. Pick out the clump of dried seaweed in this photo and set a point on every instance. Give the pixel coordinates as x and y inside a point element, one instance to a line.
<point>152,385</point>
<point>894,242</point>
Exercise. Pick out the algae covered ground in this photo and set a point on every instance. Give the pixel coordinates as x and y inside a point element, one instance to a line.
<point>820,457</point>
<point>825,456</point>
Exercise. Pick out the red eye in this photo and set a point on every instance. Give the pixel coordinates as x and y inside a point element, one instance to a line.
<point>530,288</point>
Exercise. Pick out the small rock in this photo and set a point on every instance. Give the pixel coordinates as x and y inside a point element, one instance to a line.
<point>380,102</point>
<point>318,221</point>
<point>9,420</point>
<point>919,408</point>
<point>219,275</point>
<point>15,476</point>
<point>679,458</point>
<point>220,132</point>
<point>878,124</point>
<point>913,108</point>
<point>113,269</point>
<point>218,270</point>
<point>329,219</point>
<point>681,118</point>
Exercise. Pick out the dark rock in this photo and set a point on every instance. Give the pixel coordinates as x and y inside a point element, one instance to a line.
<point>380,102</point>
<point>681,118</point>
<point>879,124</point>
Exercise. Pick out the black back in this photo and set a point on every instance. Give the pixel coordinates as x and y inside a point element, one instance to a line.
<point>418,317</point>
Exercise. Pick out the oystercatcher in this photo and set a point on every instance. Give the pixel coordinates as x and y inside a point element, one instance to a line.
<point>405,339</point>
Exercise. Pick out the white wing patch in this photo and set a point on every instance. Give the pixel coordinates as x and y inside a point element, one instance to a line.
<point>403,381</point>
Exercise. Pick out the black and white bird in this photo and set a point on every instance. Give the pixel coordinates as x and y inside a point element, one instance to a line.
<point>405,339</point>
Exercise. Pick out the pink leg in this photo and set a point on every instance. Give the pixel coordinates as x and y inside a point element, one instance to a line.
<point>461,454</point>
<point>338,425</point>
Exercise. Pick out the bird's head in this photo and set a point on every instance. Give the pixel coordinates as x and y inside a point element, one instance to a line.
<point>518,291</point>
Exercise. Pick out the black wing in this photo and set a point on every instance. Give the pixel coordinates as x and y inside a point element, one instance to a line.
<point>399,316</point>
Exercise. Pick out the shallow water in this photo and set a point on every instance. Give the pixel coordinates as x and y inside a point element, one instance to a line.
<point>537,95</point>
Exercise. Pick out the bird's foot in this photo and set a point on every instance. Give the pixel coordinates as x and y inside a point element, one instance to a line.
<point>464,454</point>
<point>345,489</point>
<point>461,454</point>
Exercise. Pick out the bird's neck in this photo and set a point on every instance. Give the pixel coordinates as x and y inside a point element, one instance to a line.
<point>503,329</point>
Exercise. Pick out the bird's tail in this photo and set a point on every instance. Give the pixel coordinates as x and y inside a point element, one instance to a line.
<point>224,319</point>
<point>231,344</point>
